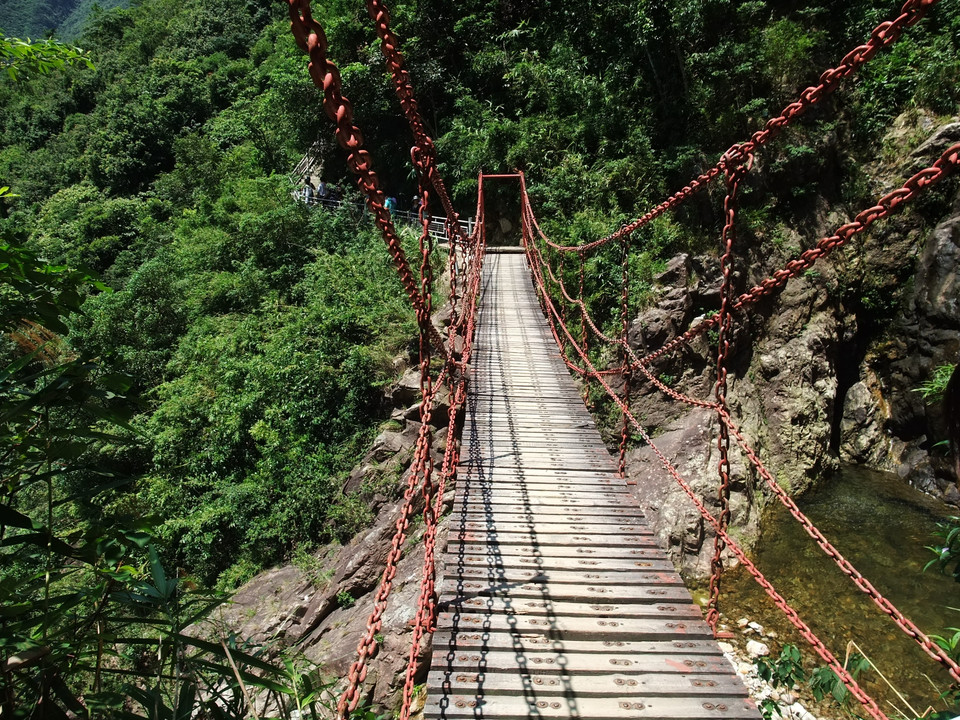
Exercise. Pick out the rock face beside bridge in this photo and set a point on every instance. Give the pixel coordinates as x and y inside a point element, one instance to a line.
<point>826,372</point>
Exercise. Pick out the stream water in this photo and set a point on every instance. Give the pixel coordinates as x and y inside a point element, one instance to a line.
<point>881,526</point>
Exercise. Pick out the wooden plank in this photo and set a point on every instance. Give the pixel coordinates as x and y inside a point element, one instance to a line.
<point>596,520</point>
<point>597,683</point>
<point>577,497</point>
<point>509,459</point>
<point>611,505</point>
<point>496,432</point>
<point>578,563</point>
<point>545,540</point>
<point>466,468</point>
<point>490,504</point>
<point>638,589</point>
<point>532,446</point>
<point>501,484</point>
<point>506,489</point>
<point>600,661</point>
<point>694,650</point>
<point>580,628</point>
<point>519,526</point>
<point>541,607</point>
<point>617,707</point>
<point>497,401</point>
<point>526,554</point>
<point>518,455</point>
<point>535,483</point>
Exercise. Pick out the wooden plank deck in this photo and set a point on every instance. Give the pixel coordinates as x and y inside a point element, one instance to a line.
<point>556,601</point>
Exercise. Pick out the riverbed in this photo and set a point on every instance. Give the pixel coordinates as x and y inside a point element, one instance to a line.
<point>882,526</point>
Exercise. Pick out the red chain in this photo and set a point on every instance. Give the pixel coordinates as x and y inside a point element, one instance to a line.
<point>905,624</point>
<point>427,604</point>
<point>624,344</point>
<point>584,337</point>
<point>536,263</point>
<point>424,150</point>
<point>886,206</point>
<point>884,34</point>
<point>325,74</point>
<point>367,646</point>
<point>310,36</point>
<point>426,599</point>
<point>733,177</point>
<point>638,363</point>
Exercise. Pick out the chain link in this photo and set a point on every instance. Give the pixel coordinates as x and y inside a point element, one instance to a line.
<point>553,316</point>
<point>425,619</point>
<point>905,624</point>
<point>727,237</point>
<point>310,36</point>
<point>890,203</point>
<point>424,151</point>
<point>624,344</point>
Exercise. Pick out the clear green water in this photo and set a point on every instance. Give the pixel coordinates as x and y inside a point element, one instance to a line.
<point>881,526</point>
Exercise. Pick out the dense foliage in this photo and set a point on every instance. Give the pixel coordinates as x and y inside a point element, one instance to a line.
<point>253,327</point>
<point>257,333</point>
<point>247,338</point>
<point>38,18</point>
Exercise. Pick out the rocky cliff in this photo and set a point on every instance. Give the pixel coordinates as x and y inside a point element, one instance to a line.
<point>826,372</point>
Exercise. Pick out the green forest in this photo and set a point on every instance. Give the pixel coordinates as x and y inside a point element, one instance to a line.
<point>192,361</point>
<point>64,19</point>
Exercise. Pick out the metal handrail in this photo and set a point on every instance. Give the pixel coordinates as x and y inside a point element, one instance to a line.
<point>437,227</point>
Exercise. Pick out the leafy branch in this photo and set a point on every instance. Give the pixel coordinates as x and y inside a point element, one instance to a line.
<point>22,58</point>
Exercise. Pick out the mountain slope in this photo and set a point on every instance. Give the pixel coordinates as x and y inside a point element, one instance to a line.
<point>35,18</point>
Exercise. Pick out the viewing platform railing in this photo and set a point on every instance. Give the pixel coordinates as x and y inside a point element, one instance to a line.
<point>437,226</point>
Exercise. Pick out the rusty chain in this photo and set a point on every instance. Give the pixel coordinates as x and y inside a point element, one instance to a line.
<point>536,263</point>
<point>311,38</point>
<point>624,344</point>
<point>887,205</point>
<point>733,177</point>
<point>905,624</point>
<point>425,618</point>
<point>421,465</point>
<point>638,362</point>
<point>426,600</point>
<point>424,150</point>
<point>584,334</point>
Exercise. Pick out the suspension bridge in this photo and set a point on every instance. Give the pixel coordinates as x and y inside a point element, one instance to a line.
<point>555,600</point>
